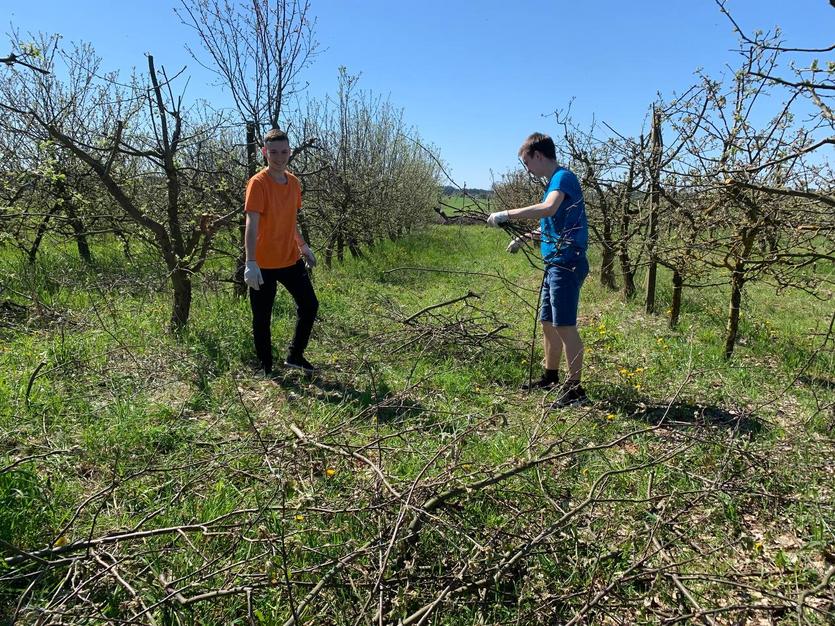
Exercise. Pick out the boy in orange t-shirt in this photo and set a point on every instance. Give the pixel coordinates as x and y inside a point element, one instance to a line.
<point>277,253</point>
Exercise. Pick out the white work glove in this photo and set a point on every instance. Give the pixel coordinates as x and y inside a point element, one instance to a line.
<point>515,244</point>
<point>497,218</point>
<point>252,275</point>
<point>309,257</point>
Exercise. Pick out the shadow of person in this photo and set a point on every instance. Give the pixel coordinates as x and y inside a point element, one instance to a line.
<point>382,403</point>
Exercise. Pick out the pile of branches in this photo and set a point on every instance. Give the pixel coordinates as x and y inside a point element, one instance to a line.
<point>333,522</point>
<point>443,327</point>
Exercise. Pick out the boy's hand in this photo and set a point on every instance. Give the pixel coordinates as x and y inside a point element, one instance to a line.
<point>515,244</point>
<point>252,275</point>
<point>308,255</point>
<point>497,218</point>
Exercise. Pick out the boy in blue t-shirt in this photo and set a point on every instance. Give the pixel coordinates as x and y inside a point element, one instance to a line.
<point>564,239</point>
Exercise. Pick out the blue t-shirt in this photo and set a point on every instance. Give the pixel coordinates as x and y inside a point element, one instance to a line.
<point>565,235</point>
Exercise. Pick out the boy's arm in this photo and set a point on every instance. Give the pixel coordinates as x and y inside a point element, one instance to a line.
<point>251,234</point>
<point>254,204</point>
<point>300,242</point>
<point>307,253</point>
<point>252,273</point>
<point>546,208</point>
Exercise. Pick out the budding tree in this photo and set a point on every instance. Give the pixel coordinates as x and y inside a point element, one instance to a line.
<point>145,148</point>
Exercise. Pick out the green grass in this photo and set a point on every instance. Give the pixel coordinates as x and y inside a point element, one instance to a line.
<point>459,204</point>
<point>686,470</point>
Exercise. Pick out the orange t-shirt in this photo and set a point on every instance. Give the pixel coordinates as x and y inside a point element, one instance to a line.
<point>278,204</point>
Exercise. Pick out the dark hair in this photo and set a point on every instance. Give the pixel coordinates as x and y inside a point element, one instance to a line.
<point>275,134</point>
<point>539,142</point>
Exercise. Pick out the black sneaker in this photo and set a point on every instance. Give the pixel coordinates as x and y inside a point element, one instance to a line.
<point>573,396</point>
<point>542,383</point>
<point>263,370</point>
<point>299,363</point>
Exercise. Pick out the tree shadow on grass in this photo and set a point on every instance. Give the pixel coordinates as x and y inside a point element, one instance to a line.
<point>680,414</point>
<point>817,381</point>
<point>386,405</point>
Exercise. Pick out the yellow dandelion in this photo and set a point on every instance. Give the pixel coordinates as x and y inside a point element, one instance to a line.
<point>623,371</point>
<point>611,416</point>
<point>638,387</point>
<point>299,517</point>
<point>330,472</point>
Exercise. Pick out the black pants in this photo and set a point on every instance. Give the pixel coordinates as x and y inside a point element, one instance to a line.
<point>296,280</point>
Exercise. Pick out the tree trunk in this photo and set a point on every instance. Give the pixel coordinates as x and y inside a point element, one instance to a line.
<point>607,266</point>
<point>627,271</point>
<point>732,328</point>
<point>652,276</point>
<point>656,144</point>
<point>675,307</point>
<point>78,232</point>
<point>181,282</point>
<point>39,234</point>
<point>354,249</point>
<point>329,247</point>
<point>75,221</point>
<point>251,167</point>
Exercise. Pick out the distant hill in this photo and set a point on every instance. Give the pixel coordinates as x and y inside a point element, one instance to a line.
<point>475,193</point>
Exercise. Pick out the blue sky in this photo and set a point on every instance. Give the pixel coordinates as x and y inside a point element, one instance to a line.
<point>474,78</point>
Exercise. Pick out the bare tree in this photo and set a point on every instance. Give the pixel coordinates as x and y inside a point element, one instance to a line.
<point>369,177</point>
<point>258,50</point>
<point>760,192</point>
<point>140,143</point>
<point>609,170</point>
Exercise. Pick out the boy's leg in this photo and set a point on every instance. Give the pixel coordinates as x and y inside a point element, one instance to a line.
<point>552,344</point>
<point>550,341</point>
<point>570,340</point>
<point>566,295</point>
<point>567,298</point>
<point>297,282</point>
<point>261,301</point>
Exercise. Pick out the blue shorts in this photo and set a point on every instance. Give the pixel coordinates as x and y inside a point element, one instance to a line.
<point>561,291</point>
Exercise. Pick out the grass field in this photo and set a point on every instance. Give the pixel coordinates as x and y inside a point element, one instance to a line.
<point>462,205</point>
<point>149,478</point>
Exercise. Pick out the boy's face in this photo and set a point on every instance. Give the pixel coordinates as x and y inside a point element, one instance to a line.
<point>277,154</point>
<point>535,163</point>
